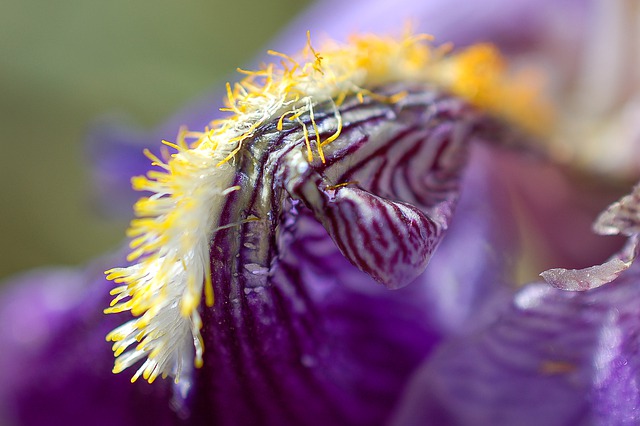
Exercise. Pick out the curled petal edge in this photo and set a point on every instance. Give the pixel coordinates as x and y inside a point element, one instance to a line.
<point>621,217</point>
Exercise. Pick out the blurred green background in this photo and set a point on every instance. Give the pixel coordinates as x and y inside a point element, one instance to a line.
<point>65,63</point>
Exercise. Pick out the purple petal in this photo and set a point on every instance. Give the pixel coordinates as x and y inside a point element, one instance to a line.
<point>518,26</point>
<point>370,241</point>
<point>555,358</point>
<point>115,152</point>
<point>315,340</point>
<point>319,343</point>
<point>55,363</point>
<point>390,240</point>
<point>300,335</point>
<point>322,344</point>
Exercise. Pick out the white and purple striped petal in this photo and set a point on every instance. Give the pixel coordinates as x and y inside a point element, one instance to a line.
<point>301,334</point>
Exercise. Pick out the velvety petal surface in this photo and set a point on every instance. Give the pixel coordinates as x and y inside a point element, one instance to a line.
<point>311,340</point>
<point>305,335</point>
<point>55,363</point>
<point>555,358</point>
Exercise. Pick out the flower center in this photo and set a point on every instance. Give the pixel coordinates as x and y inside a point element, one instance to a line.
<point>171,257</point>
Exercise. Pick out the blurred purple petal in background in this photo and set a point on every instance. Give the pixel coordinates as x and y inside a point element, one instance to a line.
<point>315,340</point>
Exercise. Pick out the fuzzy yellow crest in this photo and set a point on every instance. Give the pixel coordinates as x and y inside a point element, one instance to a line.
<point>169,272</point>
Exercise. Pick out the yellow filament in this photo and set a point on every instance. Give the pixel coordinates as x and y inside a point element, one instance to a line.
<point>162,235</point>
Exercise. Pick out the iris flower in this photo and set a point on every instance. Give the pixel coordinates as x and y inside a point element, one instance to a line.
<point>340,246</point>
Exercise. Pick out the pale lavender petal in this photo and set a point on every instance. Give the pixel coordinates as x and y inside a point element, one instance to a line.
<point>622,217</point>
<point>561,209</point>
<point>513,25</point>
<point>555,358</point>
<point>594,276</point>
<point>587,278</point>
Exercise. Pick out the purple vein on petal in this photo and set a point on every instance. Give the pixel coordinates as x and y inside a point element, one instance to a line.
<point>391,241</point>
<point>223,220</point>
<point>290,304</point>
<point>554,358</point>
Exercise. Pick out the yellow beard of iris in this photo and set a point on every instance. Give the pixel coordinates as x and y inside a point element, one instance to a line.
<point>163,286</point>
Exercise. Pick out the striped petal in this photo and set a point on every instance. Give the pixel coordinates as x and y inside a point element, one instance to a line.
<point>390,240</point>
<point>517,27</point>
<point>313,340</point>
<point>554,358</point>
<point>302,333</point>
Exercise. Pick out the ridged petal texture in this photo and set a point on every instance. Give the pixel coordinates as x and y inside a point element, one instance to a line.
<point>558,358</point>
<point>301,333</point>
<point>115,148</point>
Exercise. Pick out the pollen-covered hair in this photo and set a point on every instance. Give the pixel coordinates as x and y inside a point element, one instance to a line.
<point>169,266</point>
